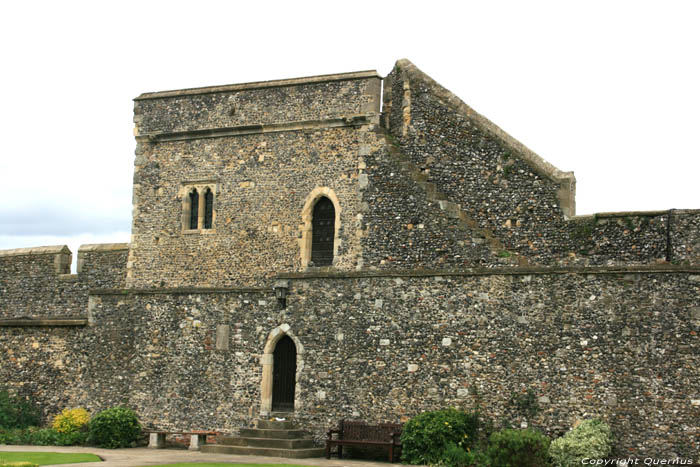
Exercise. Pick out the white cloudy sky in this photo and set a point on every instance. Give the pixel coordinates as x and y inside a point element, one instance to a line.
<point>608,89</point>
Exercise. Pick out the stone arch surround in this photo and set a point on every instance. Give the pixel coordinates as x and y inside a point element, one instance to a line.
<point>306,227</point>
<point>267,361</point>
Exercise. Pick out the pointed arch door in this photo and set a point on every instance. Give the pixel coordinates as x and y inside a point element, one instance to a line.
<point>284,375</point>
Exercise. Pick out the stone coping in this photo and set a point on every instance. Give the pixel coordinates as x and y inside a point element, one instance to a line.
<point>260,85</point>
<point>50,321</point>
<point>37,250</point>
<point>56,249</point>
<point>519,271</point>
<point>453,101</point>
<point>103,247</point>
<point>181,290</point>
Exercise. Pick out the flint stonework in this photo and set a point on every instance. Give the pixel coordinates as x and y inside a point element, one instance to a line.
<point>460,275</point>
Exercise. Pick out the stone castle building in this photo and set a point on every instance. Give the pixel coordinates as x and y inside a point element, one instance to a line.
<point>347,246</point>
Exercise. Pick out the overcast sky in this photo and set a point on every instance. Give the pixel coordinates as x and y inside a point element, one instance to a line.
<point>609,89</point>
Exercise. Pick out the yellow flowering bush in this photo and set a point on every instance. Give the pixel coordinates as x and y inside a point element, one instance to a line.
<point>70,420</point>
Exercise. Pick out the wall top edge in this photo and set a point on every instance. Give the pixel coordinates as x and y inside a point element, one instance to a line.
<point>104,247</point>
<point>37,250</point>
<point>260,84</point>
<point>519,271</point>
<point>605,215</point>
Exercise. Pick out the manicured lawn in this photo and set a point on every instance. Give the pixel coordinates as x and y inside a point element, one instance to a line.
<point>229,465</point>
<point>48,458</point>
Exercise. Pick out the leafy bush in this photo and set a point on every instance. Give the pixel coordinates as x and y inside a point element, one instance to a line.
<point>41,437</point>
<point>17,412</point>
<point>52,437</point>
<point>426,436</point>
<point>70,420</point>
<point>518,448</point>
<point>14,436</point>
<point>455,456</point>
<point>113,428</point>
<point>591,438</point>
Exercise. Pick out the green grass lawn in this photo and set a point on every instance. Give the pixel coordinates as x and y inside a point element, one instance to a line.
<point>48,458</point>
<point>229,465</point>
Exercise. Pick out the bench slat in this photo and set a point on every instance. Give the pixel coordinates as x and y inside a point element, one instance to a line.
<point>358,433</point>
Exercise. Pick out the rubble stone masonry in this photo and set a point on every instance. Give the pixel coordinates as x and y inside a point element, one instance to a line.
<point>461,275</point>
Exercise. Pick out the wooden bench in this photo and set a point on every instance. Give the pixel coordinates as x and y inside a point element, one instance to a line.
<point>357,433</point>
<point>156,438</point>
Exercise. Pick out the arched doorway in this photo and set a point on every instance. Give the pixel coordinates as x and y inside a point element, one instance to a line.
<point>284,375</point>
<point>323,232</point>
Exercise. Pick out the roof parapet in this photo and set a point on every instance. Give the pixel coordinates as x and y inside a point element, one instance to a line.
<point>566,180</point>
<point>260,84</point>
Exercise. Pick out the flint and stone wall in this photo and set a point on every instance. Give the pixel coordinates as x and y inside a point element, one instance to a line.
<point>178,328</point>
<point>36,282</point>
<point>619,344</point>
<point>511,192</point>
<point>266,147</point>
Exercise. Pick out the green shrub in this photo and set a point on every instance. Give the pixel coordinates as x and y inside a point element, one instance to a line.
<point>71,420</point>
<point>454,456</point>
<point>53,437</point>
<point>426,436</point>
<point>17,411</point>
<point>591,438</point>
<point>14,436</point>
<point>113,428</point>
<point>518,448</point>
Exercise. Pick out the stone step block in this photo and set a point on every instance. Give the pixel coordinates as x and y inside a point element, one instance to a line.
<point>275,425</point>
<point>279,434</point>
<point>270,452</point>
<point>278,443</point>
<point>451,209</point>
<point>232,441</point>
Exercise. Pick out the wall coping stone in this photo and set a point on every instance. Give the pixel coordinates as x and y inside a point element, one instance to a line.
<point>181,291</point>
<point>104,247</point>
<point>32,322</point>
<point>519,271</point>
<point>36,250</point>
<point>260,84</point>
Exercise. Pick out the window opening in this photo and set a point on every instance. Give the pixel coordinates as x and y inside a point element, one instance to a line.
<point>323,232</point>
<point>194,209</point>
<point>208,208</point>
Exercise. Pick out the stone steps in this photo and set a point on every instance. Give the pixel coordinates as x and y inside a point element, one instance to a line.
<point>269,452</point>
<point>268,433</point>
<point>454,210</point>
<point>271,438</point>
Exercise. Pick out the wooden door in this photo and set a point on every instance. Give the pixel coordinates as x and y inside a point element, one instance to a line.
<point>284,375</point>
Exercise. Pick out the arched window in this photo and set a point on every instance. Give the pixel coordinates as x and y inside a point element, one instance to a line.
<point>208,208</point>
<point>194,209</point>
<point>323,232</point>
<point>198,206</point>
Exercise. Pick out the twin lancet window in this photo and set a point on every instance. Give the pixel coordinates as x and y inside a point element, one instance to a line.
<point>198,208</point>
